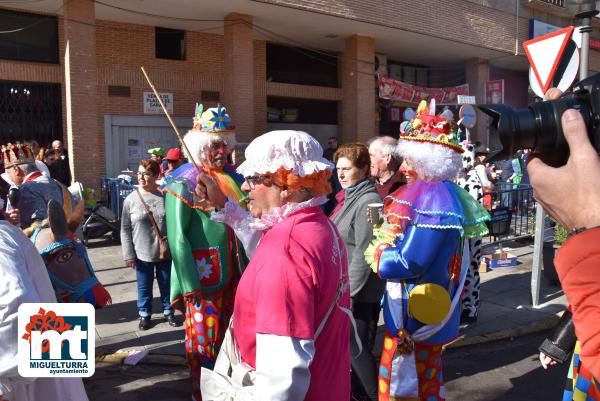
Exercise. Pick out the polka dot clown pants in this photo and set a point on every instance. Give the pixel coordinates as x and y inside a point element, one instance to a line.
<point>205,325</point>
<point>428,366</point>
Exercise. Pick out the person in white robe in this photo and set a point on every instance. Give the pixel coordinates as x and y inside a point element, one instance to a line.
<point>24,279</point>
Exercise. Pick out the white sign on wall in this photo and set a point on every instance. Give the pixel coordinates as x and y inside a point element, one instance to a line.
<point>463,99</point>
<point>152,106</point>
<point>540,28</point>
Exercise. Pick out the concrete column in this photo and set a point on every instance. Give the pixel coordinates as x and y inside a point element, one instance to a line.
<point>84,136</point>
<point>358,84</point>
<point>239,74</point>
<point>478,72</point>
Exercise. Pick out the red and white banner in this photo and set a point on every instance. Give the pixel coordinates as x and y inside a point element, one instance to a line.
<point>494,91</point>
<point>396,90</point>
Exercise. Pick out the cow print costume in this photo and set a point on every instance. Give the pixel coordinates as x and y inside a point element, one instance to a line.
<point>470,182</point>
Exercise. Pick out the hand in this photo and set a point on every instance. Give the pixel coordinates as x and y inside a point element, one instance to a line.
<point>578,180</point>
<point>14,217</point>
<point>546,361</point>
<point>208,192</point>
<point>130,263</point>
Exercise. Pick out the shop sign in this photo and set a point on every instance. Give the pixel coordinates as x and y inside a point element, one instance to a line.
<point>540,28</point>
<point>462,99</point>
<point>152,106</point>
<point>392,89</point>
<point>494,91</point>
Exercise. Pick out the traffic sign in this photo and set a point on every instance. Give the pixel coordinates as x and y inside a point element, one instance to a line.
<point>467,115</point>
<point>545,54</point>
<point>409,114</point>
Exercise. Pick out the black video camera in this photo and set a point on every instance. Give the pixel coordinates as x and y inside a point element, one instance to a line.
<point>539,126</point>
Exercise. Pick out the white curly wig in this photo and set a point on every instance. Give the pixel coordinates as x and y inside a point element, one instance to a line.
<point>431,160</point>
<point>197,142</point>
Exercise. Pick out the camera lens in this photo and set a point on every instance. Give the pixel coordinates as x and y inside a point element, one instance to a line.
<point>537,127</point>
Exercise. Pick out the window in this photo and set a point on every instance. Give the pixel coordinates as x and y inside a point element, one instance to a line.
<point>169,43</point>
<point>294,65</point>
<point>28,37</point>
<point>301,111</point>
<point>30,110</point>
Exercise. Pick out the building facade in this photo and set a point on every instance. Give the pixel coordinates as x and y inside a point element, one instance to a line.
<point>71,68</point>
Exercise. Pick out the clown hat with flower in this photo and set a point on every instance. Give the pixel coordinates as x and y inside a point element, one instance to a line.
<point>211,125</point>
<point>431,143</point>
<point>427,127</point>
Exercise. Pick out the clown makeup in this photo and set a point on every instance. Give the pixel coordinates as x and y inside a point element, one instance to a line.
<point>216,155</point>
<point>408,170</point>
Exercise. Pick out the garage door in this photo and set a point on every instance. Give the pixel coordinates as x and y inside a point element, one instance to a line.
<point>128,138</point>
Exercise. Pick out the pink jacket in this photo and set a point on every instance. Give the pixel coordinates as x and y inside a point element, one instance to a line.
<point>578,266</point>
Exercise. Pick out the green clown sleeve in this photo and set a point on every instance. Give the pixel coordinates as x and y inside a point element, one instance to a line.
<point>184,278</point>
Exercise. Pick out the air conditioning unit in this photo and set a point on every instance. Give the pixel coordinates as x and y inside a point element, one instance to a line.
<point>381,65</point>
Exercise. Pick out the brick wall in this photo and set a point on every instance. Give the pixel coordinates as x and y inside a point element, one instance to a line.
<point>238,78</point>
<point>358,83</point>
<point>80,87</point>
<point>121,49</point>
<point>260,90</point>
<point>456,20</point>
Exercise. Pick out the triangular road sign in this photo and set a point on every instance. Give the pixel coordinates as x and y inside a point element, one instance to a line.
<point>544,54</point>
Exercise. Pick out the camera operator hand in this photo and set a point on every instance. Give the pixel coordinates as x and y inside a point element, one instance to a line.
<point>571,193</point>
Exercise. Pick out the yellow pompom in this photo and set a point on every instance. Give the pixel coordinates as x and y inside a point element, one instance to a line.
<point>429,303</point>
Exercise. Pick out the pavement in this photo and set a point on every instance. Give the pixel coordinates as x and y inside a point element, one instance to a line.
<point>505,311</point>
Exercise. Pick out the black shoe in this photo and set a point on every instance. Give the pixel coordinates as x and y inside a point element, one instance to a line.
<point>145,323</point>
<point>465,319</point>
<point>172,320</point>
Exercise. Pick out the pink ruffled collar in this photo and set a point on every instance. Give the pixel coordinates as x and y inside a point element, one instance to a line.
<point>277,214</point>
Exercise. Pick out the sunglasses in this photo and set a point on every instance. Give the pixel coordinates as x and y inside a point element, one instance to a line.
<point>255,180</point>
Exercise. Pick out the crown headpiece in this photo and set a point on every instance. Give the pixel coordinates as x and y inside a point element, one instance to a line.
<point>15,154</point>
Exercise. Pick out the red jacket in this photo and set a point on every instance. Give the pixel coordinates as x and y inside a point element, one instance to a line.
<point>578,266</point>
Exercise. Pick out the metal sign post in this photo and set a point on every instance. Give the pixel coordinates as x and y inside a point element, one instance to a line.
<point>538,249</point>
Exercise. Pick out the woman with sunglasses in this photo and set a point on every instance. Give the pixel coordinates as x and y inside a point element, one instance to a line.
<point>291,322</point>
<point>141,247</point>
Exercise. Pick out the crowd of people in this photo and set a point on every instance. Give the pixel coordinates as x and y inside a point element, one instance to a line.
<point>280,282</point>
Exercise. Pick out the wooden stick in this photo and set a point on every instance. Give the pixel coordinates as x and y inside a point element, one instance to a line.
<point>172,123</point>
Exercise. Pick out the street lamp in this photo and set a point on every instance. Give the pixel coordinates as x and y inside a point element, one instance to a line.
<point>584,10</point>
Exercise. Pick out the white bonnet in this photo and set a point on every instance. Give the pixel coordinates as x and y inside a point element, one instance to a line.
<point>296,151</point>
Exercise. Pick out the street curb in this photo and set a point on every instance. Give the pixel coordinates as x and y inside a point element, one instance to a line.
<point>536,327</point>
<point>117,358</point>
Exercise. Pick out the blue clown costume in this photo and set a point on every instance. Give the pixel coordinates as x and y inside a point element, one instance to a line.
<point>418,250</point>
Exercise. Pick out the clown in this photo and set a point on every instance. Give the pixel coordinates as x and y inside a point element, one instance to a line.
<point>419,250</point>
<point>207,257</point>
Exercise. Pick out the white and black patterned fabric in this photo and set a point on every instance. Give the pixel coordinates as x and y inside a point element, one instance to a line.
<point>471,183</point>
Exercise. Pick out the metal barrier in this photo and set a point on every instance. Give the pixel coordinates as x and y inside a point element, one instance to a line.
<point>114,192</point>
<point>512,211</point>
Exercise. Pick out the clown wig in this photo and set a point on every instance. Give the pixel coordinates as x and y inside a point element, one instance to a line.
<point>431,160</point>
<point>197,143</point>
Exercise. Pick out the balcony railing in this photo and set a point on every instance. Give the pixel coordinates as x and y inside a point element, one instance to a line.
<point>559,3</point>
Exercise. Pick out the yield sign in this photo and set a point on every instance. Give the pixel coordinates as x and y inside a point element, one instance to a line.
<point>544,54</point>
